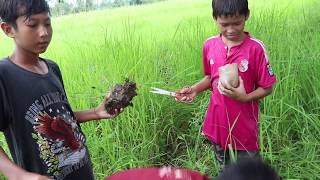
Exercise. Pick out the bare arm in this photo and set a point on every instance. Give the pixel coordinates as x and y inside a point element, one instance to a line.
<point>258,94</point>
<point>14,172</point>
<point>187,94</point>
<point>95,113</point>
<point>202,85</point>
<point>7,167</point>
<point>87,115</point>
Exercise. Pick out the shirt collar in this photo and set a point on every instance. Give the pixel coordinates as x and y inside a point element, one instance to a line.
<point>248,36</point>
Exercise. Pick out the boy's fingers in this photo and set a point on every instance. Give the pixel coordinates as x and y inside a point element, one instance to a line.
<point>107,96</point>
<point>118,111</point>
<point>227,92</point>
<point>184,99</point>
<point>219,87</point>
<point>224,90</point>
<point>189,100</point>
<point>188,89</point>
<point>185,90</point>
<point>226,85</point>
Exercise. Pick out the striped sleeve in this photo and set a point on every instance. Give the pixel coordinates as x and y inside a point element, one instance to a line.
<point>265,75</point>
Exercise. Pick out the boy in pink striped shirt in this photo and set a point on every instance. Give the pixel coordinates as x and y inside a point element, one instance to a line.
<point>233,112</point>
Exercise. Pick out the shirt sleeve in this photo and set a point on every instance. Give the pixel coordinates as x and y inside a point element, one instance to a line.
<point>58,73</point>
<point>205,61</point>
<point>265,76</point>
<point>4,118</point>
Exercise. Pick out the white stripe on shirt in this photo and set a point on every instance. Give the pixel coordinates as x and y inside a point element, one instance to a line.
<point>263,47</point>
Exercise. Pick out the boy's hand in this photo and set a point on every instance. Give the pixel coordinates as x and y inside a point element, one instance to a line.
<point>101,112</point>
<point>30,176</point>
<point>185,95</point>
<point>238,93</point>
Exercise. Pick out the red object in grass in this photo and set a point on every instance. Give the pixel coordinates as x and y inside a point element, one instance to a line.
<point>163,173</point>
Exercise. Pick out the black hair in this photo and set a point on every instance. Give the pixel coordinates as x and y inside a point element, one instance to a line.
<point>229,8</point>
<point>10,10</point>
<point>249,169</point>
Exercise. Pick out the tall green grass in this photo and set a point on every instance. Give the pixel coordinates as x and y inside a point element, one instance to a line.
<point>160,45</point>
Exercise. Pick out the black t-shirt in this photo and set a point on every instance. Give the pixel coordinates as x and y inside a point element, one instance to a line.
<point>39,125</point>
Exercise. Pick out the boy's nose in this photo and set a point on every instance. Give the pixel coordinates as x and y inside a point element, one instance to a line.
<point>230,30</point>
<point>43,32</point>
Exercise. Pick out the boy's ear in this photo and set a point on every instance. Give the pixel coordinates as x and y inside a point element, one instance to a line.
<point>7,29</point>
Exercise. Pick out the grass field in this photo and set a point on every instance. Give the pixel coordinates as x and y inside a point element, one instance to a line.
<point>160,45</point>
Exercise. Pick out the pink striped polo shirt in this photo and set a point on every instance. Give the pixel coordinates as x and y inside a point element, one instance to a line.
<point>229,121</point>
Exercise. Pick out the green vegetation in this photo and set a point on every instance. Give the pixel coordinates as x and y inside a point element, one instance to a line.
<point>63,7</point>
<point>160,45</point>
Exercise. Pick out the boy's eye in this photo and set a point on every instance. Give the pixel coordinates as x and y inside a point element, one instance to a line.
<point>31,25</point>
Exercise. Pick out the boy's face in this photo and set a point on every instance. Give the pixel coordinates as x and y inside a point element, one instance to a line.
<point>231,27</point>
<point>32,34</point>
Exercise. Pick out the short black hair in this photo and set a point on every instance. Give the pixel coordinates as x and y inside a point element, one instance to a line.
<point>10,10</point>
<point>229,8</point>
<point>249,169</point>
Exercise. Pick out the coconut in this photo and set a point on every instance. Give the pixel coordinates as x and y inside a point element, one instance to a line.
<point>228,74</point>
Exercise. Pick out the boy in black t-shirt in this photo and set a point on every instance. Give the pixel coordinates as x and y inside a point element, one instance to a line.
<point>42,131</point>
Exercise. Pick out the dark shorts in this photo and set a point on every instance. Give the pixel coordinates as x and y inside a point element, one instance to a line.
<point>224,157</point>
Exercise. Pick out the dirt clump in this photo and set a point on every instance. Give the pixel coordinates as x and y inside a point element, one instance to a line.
<point>121,96</point>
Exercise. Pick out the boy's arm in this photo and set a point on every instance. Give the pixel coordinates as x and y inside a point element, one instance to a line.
<point>187,94</point>
<point>258,94</point>
<point>86,115</point>
<point>7,167</point>
<point>14,172</point>
<point>202,85</point>
<point>95,114</point>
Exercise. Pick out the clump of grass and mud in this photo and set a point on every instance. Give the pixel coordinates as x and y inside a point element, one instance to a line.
<point>121,96</point>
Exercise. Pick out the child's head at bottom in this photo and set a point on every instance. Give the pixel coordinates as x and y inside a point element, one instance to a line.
<point>249,169</point>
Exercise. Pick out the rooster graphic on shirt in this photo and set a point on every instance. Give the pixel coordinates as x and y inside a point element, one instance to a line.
<point>57,133</point>
<point>58,129</point>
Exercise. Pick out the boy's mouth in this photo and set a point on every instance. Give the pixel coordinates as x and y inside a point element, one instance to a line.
<point>232,35</point>
<point>43,43</point>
